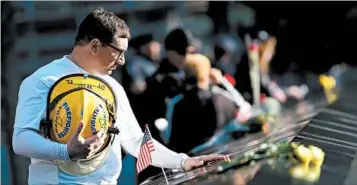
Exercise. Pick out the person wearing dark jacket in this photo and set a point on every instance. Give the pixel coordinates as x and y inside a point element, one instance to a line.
<point>165,83</point>
<point>168,80</point>
<point>144,62</point>
<point>200,112</point>
<point>142,65</point>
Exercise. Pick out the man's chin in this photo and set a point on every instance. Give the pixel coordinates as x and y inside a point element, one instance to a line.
<point>110,71</point>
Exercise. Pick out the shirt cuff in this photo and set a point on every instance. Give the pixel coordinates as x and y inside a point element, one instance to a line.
<point>183,160</point>
<point>62,152</point>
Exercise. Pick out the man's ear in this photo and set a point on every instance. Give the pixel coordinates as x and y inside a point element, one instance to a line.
<point>94,45</point>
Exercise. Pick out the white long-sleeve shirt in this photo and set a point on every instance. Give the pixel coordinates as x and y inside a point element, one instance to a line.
<point>27,142</point>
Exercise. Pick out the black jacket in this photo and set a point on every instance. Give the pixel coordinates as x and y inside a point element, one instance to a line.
<point>163,84</point>
<point>166,83</point>
<point>196,118</point>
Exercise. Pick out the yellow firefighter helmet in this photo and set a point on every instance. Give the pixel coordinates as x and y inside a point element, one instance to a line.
<point>80,98</point>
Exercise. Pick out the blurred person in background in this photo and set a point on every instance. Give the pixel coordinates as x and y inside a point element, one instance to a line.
<point>168,80</point>
<point>226,53</point>
<point>100,45</point>
<point>144,63</point>
<point>165,83</point>
<point>199,109</point>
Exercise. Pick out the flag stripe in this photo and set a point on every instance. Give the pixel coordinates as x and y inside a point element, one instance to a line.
<point>147,156</point>
<point>142,162</point>
<point>144,157</point>
<point>145,162</point>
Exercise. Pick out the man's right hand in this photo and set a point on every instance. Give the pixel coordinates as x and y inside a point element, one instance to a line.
<point>80,148</point>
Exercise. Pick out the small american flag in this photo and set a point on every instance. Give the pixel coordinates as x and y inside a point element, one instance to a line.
<point>147,146</point>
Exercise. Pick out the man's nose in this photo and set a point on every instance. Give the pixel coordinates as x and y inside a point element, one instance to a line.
<point>120,59</point>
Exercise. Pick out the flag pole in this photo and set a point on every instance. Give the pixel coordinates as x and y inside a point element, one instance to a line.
<point>163,171</point>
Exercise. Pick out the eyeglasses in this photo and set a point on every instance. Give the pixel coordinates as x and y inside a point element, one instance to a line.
<point>119,51</point>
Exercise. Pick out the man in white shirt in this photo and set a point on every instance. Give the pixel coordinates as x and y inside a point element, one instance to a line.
<point>100,45</point>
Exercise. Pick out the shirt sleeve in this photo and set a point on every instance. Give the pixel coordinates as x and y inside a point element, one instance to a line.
<point>131,137</point>
<point>30,109</point>
<point>37,147</point>
<point>31,103</point>
<point>237,97</point>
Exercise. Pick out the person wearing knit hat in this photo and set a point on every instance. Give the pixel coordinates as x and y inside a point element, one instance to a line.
<point>165,83</point>
<point>176,44</point>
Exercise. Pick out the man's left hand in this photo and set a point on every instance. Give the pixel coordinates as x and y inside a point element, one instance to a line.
<point>195,162</point>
